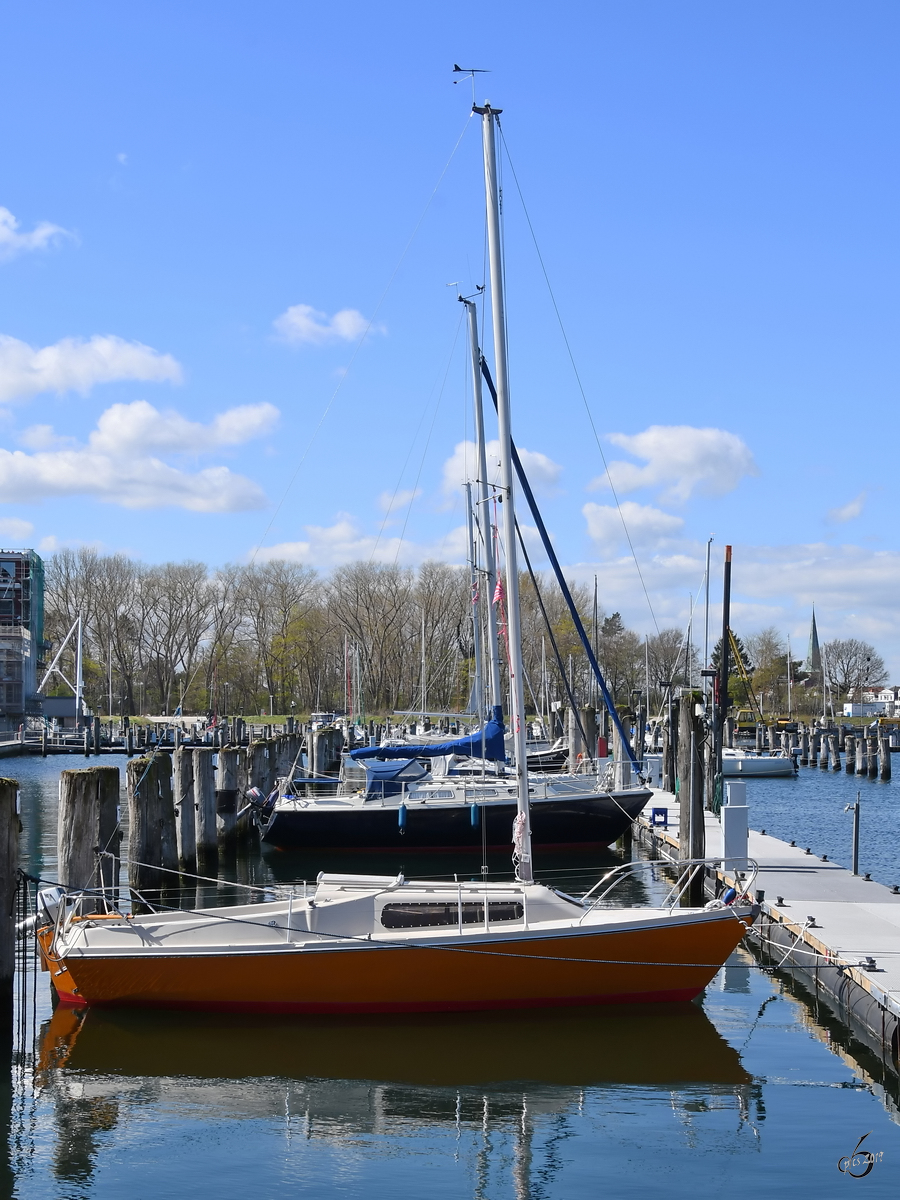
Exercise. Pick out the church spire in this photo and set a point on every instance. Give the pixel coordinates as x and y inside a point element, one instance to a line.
<point>813,663</point>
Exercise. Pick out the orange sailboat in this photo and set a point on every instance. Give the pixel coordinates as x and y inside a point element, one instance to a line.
<point>375,944</point>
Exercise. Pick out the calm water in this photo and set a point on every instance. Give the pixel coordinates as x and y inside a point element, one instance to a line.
<point>751,1089</point>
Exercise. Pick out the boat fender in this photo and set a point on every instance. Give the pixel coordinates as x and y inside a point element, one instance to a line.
<point>729,896</point>
<point>474,815</point>
<point>401,818</point>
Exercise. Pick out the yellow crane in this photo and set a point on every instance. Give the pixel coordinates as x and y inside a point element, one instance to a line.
<point>745,678</point>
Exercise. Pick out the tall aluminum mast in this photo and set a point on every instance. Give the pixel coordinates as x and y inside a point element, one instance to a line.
<point>477,684</point>
<point>484,509</point>
<point>522,828</point>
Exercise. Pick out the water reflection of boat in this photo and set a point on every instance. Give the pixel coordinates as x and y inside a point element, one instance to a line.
<point>667,1045</point>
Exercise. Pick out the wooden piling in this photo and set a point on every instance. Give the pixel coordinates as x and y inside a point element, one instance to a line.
<point>773,738</point>
<point>9,880</point>
<point>759,737</point>
<point>814,741</point>
<point>729,732</point>
<point>98,734</point>
<point>152,839</point>
<point>861,765</point>
<point>185,824</point>
<point>872,753</point>
<point>207,835</point>
<point>834,752</point>
<point>226,794</point>
<point>804,747</point>
<point>87,824</point>
<point>588,717</point>
<point>884,757</point>
<point>850,747</point>
<point>823,752</point>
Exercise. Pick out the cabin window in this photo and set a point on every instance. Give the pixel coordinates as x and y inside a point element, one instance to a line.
<point>429,915</point>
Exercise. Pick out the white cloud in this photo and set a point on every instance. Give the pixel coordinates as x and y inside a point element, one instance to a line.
<point>119,465</point>
<point>138,427</point>
<point>332,545</point>
<point>74,364</point>
<point>303,323</point>
<point>13,241</point>
<point>543,473</point>
<point>14,530</point>
<point>647,526</point>
<point>680,460</point>
<point>389,502</point>
<point>849,511</point>
<point>43,437</point>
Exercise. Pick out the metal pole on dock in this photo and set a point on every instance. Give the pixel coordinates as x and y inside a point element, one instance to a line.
<point>855,808</point>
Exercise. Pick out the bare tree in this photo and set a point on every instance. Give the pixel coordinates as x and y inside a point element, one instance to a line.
<point>850,663</point>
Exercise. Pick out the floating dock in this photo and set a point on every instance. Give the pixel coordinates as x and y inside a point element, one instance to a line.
<point>838,932</point>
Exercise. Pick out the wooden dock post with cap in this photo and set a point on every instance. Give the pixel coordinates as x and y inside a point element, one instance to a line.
<point>152,840</point>
<point>9,869</point>
<point>872,751</point>
<point>205,810</point>
<point>884,756</point>
<point>87,826</point>
<point>185,823</point>
<point>226,794</point>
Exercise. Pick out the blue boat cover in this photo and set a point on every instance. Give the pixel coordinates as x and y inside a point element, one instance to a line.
<point>486,743</point>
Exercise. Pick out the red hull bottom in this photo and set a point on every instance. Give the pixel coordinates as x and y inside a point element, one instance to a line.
<point>500,848</point>
<point>676,995</point>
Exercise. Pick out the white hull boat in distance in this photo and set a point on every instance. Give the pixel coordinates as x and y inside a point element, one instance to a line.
<point>749,764</point>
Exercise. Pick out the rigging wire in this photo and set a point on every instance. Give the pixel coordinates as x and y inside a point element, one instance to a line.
<point>571,355</point>
<point>362,338</point>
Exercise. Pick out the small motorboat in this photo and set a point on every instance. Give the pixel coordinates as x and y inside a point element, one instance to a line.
<point>763,764</point>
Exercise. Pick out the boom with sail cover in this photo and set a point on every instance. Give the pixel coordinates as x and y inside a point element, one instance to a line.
<point>486,743</point>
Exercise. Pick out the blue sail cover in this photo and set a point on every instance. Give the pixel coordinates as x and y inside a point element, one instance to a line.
<point>486,743</point>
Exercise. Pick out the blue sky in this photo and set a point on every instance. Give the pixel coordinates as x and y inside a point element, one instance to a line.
<point>206,204</point>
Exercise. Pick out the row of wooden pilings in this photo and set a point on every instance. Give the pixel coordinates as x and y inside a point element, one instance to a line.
<point>813,746</point>
<point>182,811</point>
